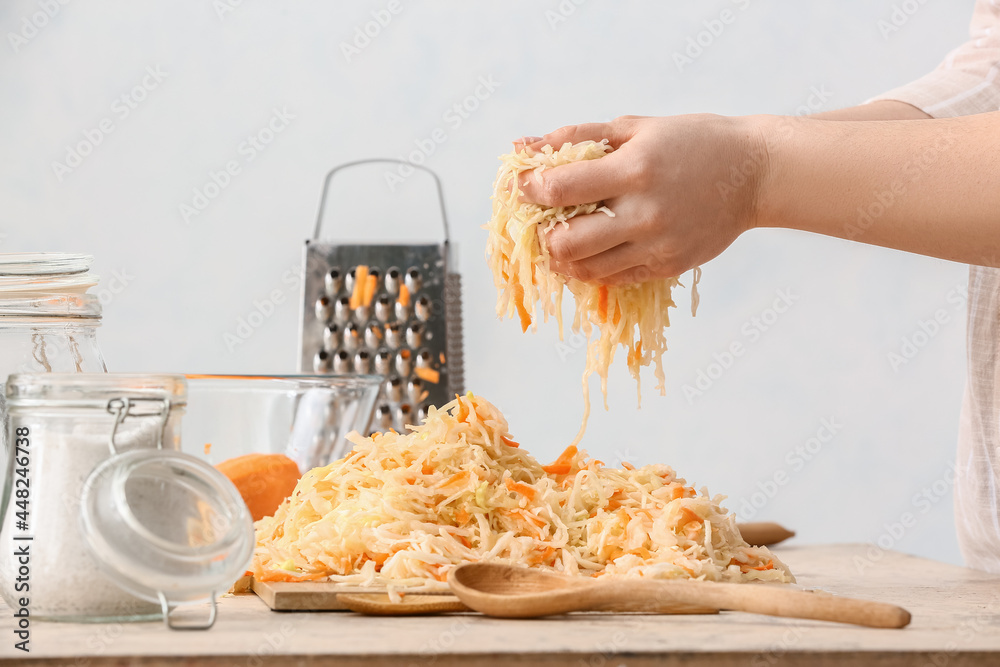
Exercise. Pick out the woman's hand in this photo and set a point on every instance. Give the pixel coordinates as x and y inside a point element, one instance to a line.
<point>682,189</point>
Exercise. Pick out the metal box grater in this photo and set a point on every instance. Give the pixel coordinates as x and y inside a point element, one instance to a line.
<point>406,326</point>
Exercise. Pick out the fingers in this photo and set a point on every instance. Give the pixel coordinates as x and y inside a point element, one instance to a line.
<point>616,133</point>
<point>519,144</point>
<point>629,262</point>
<point>596,268</point>
<point>586,236</point>
<point>578,182</point>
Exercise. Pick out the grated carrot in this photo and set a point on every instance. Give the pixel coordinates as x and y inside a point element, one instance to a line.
<point>360,278</point>
<point>522,312</point>
<point>523,489</point>
<point>428,375</point>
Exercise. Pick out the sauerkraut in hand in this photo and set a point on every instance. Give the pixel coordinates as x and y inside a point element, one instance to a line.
<point>632,316</point>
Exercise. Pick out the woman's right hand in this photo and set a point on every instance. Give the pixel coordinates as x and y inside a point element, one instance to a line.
<point>682,188</point>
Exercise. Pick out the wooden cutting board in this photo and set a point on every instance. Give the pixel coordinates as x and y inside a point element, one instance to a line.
<point>322,595</point>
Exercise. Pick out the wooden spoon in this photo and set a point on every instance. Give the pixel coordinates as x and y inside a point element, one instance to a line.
<point>516,592</point>
<point>764,533</point>
<point>379,604</point>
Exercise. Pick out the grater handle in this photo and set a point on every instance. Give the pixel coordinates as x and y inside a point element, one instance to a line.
<point>329,178</point>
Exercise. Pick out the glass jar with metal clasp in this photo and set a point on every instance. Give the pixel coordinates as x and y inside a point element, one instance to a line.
<point>119,524</point>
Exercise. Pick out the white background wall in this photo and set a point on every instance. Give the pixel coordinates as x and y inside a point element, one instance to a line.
<point>223,74</point>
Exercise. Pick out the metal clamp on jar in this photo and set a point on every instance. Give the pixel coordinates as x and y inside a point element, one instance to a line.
<point>127,527</point>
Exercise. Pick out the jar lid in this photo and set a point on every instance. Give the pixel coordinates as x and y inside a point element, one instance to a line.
<point>167,527</point>
<point>43,263</point>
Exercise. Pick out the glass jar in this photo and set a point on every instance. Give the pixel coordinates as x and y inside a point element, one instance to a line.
<point>48,324</point>
<point>109,519</point>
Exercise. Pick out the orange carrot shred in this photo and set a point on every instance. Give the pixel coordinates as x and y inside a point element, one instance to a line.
<point>563,464</point>
<point>523,489</point>
<point>602,303</point>
<point>510,443</point>
<point>371,286</point>
<point>428,375</point>
<point>522,312</point>
<point>404,296</point>
<point>463,410</point>
<point>360,279</point>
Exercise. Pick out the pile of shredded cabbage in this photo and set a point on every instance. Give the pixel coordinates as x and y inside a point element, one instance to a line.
<point>402,510</point>
<point>630,316</point>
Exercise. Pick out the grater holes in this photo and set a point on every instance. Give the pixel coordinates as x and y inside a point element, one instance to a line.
<point>404,414</point>
<point>373,335</point>
<point>393,335</point>
<point>383,308</point>
<point>333,281</point>
<point>415,390</point>
<point>323,308</point>
<point>352,337</point>
<point>331,336</point>
<point>383,416</point>
<point>394,388</point>
<point>413,280</point>
<point>342,362</point>
<point>424,358</point>
<point>392,278</point>
<point>322,362</point>
<point>363,362</point>
<point>415,335</point>
<point>342,309</point>
<point>404,362</point>
<point>383,362</point>
<point>422,308</point>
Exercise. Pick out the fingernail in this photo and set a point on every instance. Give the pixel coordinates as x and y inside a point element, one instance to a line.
<point>527,140</point>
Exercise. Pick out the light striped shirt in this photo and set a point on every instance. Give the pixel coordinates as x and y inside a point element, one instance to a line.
<point>966,83</point>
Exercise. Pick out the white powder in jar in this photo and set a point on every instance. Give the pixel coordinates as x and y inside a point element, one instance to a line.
<point>66,582</point>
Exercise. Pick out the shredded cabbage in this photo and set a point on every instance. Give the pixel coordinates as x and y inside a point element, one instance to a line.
<point>404,509</point>
<point>631,316</point>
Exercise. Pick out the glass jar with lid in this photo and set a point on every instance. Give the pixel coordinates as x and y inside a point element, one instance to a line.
<point>48,323</point>
<point>112,520</point>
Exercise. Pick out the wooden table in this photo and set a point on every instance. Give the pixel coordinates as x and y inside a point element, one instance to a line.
<point>956,622</point>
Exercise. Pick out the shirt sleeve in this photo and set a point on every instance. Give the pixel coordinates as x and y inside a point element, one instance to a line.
<point>968,81</point>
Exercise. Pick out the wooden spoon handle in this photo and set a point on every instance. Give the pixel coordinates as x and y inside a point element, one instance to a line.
<point>775,601</point>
